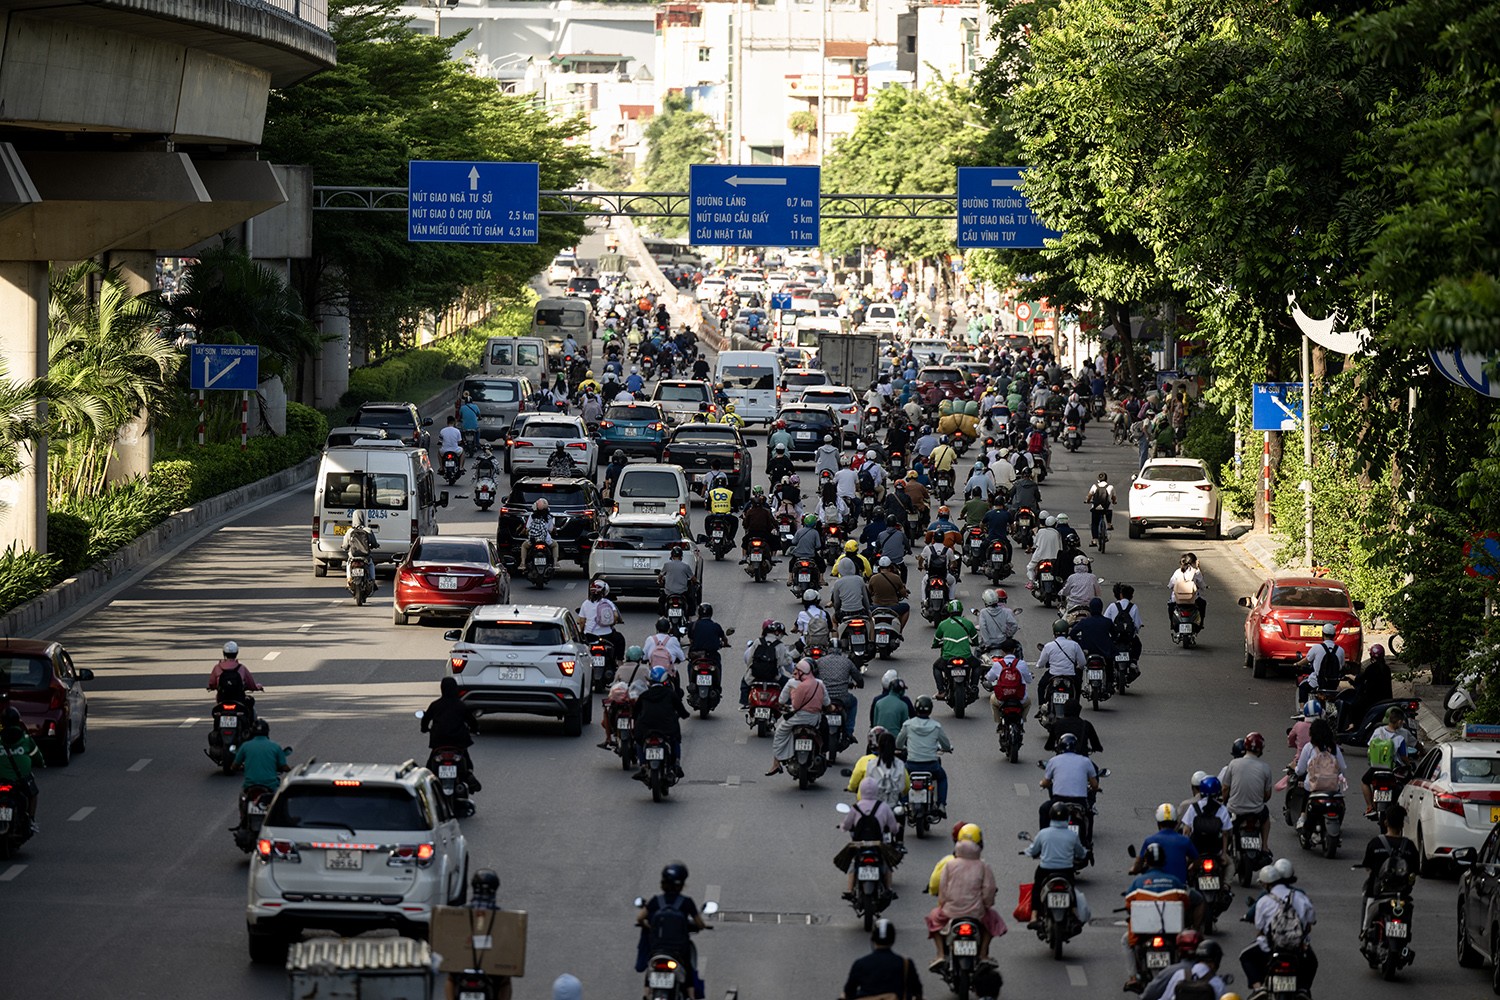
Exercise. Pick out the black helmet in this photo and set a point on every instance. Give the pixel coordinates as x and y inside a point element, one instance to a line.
<point>705,611</point>
<point>617,456</point>
<point>663,625</point>
<point>261,728</point>
<point>485,883</point>
<point>1237,748</point>
<point>884,934</point>
<point>1067,743</point>
<point>923,706</point>
<point>1209,951</point>
<point>1154,855</point>
<point>1059,810</point>
<point>674,876</point>
<point>12,716</point>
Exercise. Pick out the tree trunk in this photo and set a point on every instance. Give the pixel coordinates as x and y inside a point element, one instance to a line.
<point>1121,312</point>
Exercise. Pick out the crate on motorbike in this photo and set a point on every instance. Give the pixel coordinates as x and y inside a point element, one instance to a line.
<point>362,968</point>
<point>1155,912</point>
<point>492,941</point>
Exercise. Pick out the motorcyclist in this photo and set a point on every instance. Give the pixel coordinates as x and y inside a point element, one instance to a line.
<point>1249,784</point>
<point>484,887</point>
<point>720,500</point>
<point>1094,635</point>
<point>1186,586</point>
<point>660,710</point>
<point>538,528</point>
<point>852,562</point>
<point>997,622</point>
<point>1280,894</point>
<point>1371,687</point>
<point>803,699</point>
<point>450,726</point>
<point>450,438</point>
<point>882,972</point>
<point>560,464</point>
<point>1045,547</point>
<point>485,464</point>
<point>1081,588</point>
<point>996,523</point>
<point>632,677</point>
<point>966,889</point>
<point>1324,663</point>
<point>1383,877</point>
<point>780,466</point>
<point>1207,822</point>
<point>1068,536</point>
<point>706,638</point>
<point>1071,720</point>
<point>887,590</point>
<point>238,685</point>
<point>813,623</point>
<point>19,754</point>
<point>780,437</point>
<point>1059,853</point>
<point>360,542</point>
<point>767,658</point>
<point>1070,777</point>
<point>953,639</point>
<point>1062,657</point>
<point>677,578</point>
<point>974,509</point>
<point>757,521</point>
<point>730,416</point>
<point>617,462</point>
<point>840,675</point>
<point>662,648</point>
<point>1006,656</point>
<point>262,761</point>
<point>1025,493</point>
<point>1387,749</point>
<point>666,921</point>
<point>826,458</point>
<point>600,616</point>
<point>807,544</point>
<point>848,596</point>
<point>924,740</point>
<point>468,420</point>
<point>943,523</point>
<point>1101,501</point>
<point>980,480</point>
<point>1124,604</point>
<point>941,559</point>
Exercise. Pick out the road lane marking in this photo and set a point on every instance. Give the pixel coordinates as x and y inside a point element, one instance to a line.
<point>139,765</point>
<point>1076,976</point>
<point>733,781</point>
<point>81,815</point>
<point>272,655</point>
<point>11,872</point>
<point>1023,790</point>
<point>190,723</point>
<point>723,831</point>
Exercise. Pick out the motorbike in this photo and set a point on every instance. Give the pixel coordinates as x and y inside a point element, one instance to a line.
<point>231,727</point>
<point>961,945</point>
<point>934,596</point>
<point>856,638</point>
<point>962,684</point>
<point>1072,437</point>
<point>764,704</point>
<point>1207,876</point>
<point>359,578</point>
<point>1282,977</point>
<point>868,505</point>
<point>1097,406</point>
<point>1023,528</point>
<point>449,763</point>
<point>1385,940</point>
<point>1056,910</point>
<point>921,801</point>
<point>718,538</point>
<point>1186,624</point>
<point>703,692</point>
<point>871,896</point>
<point>1096,686</point>
<point>1154,921</point>
<point>974,548</point>
<point>1459,701</point>
<point>942,484</point>
<point>809,759</point>
<point>833,543</point>
<point>1324,826</point>
<point>660,774</point>
<point>998,566</point>
<point>625,735</point>
<point>1359,734</point>
<point>1246,850</point>
<point>1064,690</point>
<point>1385,787</point>
<point>666,977</point>
<point>1048,586</point>
<point>1012,731</point>
<point>1120,428</point>
<point>677,614</point>
<point>448,466</point>
<point>484,490</point>
<point>887,632</point>
<point>837,739</point>
<point>15,824</point>
<point>539,568</point>
<point>804,577</point>
<point>474,986</point>
<point>786,528</point>
<point>758,560</point>
<point>1127,671</point>
<point>602,661</point>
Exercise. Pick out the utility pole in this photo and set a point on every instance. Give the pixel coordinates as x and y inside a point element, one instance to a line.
<point>736,71</point>
<point>822,78</point>
<point>1307,453</point>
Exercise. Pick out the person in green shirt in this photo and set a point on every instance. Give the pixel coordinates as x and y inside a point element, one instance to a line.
<point>1166,440</point>
<point>261,760</point>
<point>974,508</point>
<point>18,754</point>
<point>952,640</point>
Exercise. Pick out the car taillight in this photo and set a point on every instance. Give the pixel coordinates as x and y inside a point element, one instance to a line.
<point>1448,802</point>
<point>1138,486</point>
<point>735,457</point>
<point>520,444</point>
<point>567,667</point>
<point>316,526</point>
<point>682,510</point>
<point>657,426</point>
<point>411,854</point>
<point>6,788</point>
<point>606,423</point>
<point>1351,630</point>
<point>666,456</point>
<point>277,850</point>
<point>457,663</point>
<point>414,531</point>
<point>1205,487</point>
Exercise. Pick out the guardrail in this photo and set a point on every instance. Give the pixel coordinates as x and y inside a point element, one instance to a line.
<point>314,12</point>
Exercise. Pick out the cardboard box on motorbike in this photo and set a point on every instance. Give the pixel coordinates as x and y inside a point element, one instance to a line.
<point>492,941</point>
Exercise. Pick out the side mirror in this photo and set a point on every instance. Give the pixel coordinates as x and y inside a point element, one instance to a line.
<point>1103,772</point>
<point>1358,605</point>
<point>443,499</point>
<point>729,631</point>
<point>1130,850</point>
<point>427,422</point>
<point>85,674</point>
<point>847,772</point>
<point>710,908</point>
<point>418,713</point>
<point>1464,857</point>
<point>286,749</point>
<point>752,443</point>
<point>1023,835</point>
<point>1244,602</point>
<point>639,901</point>
<point>453,634</point>
<point>701,539</point>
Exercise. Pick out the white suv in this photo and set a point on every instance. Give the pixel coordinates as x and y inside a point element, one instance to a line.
<point>1174,493</point>
<point>527,659</point>
<point>351,847</point>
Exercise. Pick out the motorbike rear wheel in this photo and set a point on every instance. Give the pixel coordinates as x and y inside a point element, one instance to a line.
<point>360,594</point>
<point>1055,940</point>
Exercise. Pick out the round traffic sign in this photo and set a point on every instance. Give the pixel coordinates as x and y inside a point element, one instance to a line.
<point>1023,311</point>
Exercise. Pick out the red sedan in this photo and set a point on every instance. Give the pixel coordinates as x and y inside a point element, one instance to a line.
<point>1287,615</point>
<point>937,383</point>
<point>39,680</point>
<point>448,576</point>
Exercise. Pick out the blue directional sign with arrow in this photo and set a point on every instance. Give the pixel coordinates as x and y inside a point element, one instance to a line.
<point>455,201</point>
<point>781,300</point>
<point>1276,406</point>
<point>753,206</point>
<point>992,211</point>
<point>224,366</point>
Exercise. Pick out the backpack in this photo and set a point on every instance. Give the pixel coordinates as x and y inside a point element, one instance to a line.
<point>763,662</point>
<point>661,656</point>
<point>1394,874</point>
<point>1009,686</point>
<point>1099,500</point>
<point>1285,931</point>
<point>1208,829</point>
<point>536,529</point>
<point>866,481</point>
<point>231,686</point>
<point>1036,442</point>
<point>937,565</point>
<point>867,827</point>
<point>669,926</point>
<point>1191,988</point>
<point>819,632</point>
<point>1122,629</point>
<point>1382,752</point>
<point>1322,772</point>
<point>1329,673</point>
<point>889,780</point>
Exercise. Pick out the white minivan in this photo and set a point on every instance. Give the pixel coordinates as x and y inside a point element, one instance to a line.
<point>651,488</point>
<point>750,379</point>
<point>391,481</point>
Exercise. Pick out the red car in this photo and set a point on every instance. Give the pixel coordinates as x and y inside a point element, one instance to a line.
<point>448,576</point>
<point>936,383</point>
<point>39,679</point>
<point>1287,615</point>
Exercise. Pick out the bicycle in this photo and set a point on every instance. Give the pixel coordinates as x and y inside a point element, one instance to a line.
<point>1100,530</point>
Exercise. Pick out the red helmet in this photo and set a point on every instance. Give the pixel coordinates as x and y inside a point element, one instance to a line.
<point>781,425</point>
<point>1255,743</point>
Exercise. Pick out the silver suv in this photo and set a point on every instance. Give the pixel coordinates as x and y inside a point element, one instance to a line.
<point>351,847</point>
<point>527,659</point>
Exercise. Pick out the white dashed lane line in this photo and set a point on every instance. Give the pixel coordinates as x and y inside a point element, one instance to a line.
<point>1023,790</point>
<point>140,765</point>
<point>1076,976</point>
<point>81,815</point>
<point>190,723</point>
<point>10,873</point>
<point>272,654</point>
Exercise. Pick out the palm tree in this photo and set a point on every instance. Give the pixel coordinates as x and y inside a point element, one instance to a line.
<point>20,406</point>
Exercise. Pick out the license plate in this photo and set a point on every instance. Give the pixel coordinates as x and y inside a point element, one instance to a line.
<point>882,638</point>
<point>5,814</point>
<point>510,673</point>
<point>1382,795</point>
<point>661,980</point>
<point>835,721</point>
<point>1058,901</point>
<point>598,661</point>
<point>1396,929</point>
<point>763,713</point>
<point>1123,656</point>
<point>356,571</point>
<point>471,995</point>
<point>1249,843</point>
<point>1310,631</point>
<point>251,808</point>
<point>802,746</point>
<point>1186,628</point>
<point>447,583</point>
<point>1047,577</point>
<point>631,432</point>
<point>1158,960</point>
<point>640,562</point>
<point>804,577</point>
<point>341,529</point>
<point>1283,984</point>
<point>718,536</point>
<point>756,557</point>
<point>1059,697</point>
<point>1494,815</point>
<point>344,861</point>
<point>804,436</point>
<point>1208,883</point>
<point>958,674</point>
<point>997,557</point>
<point>229,722</point>
<point>966,947</point>
<point>447,770</point>
<point>624,725</point>
<point>869,873</point>
<point>1096,675</point>
<point>656,753</point>
<point>705,680</point>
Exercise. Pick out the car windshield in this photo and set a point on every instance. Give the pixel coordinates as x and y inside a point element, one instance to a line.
<point>399,419</point>
<point>1309,597</point>
<point>570,319</point>
<point>631,413</point>
<point>646,483</point>
<point>375,490</point>
<point>747,377</point>
<point>448,551</point>
<point>1476,770</point>
<point>588,284</point>
<point>669,393</point>
<point>807,417</point>
<point>557,496</point>
<point>491,392</point>
<point>795,380</point>
<point>357,808</point>
<point>941,375</point>
<point>1172,474</point>
<point>641,536</point>
<point>538,429</point>
<point>706,432</point>
<point>515,633</point>
<point>25,672</point>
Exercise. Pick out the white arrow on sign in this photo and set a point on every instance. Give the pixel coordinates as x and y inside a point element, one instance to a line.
<point>473,178</point>
<point>1005,182</point>
<point>208,383</point>
<point>735,180</point>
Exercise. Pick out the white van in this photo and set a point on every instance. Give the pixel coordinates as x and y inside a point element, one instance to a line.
<point>516,356</point>
<point>750,379</point>
<point>651,488</point>
<point>391,481</point>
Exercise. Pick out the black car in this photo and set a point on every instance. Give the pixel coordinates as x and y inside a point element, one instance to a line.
<point>398,420</point>
<point>577,511</point>
<point>808,423</point>
<point>584,287</point>
<point>695,446</point>
<point>1479,905</point>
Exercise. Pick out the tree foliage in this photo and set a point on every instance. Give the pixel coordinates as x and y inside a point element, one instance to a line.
<point>676,138</point>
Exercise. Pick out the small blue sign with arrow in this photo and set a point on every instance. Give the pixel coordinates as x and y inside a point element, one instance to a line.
<point>781,300</point>
<point>1276,406</point>
<point>224,366</point>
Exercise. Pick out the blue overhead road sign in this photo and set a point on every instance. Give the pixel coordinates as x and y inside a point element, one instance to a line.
<point>224,366</point>
<point>745,206</point>
<point>1276,406</point>
<point>781,300</point>
<point>455,201</point>
<point>992,211</point>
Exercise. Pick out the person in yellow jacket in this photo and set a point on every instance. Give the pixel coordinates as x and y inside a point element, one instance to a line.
<point>851,551</point>
<point>891,775</point>
<point>961,831</point>
<point>730,417</point>
<point>942,457</point>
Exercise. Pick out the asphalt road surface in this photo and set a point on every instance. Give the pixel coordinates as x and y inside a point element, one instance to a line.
<point>135,889</point>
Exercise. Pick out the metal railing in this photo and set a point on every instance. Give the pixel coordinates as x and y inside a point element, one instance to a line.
<point>314,12</point>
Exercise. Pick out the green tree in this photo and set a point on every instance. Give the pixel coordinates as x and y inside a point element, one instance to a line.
<point>20,418</point>
<point>676,138</point>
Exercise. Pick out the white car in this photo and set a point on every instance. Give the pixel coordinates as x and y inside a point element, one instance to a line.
<point>843,400</point>
<point>352,847</point>
<point>1452,799</point>
<point>777,279</point>
<point>633,547</point>
<point>1174,493</point>
<point>927,350</point>
<point>749,283</point>
<point>562,269</point>
<point>882,316</point>
<point>523,659</point>
<point>795,380</point>
<point>539,438</point>
<point>710,290</point>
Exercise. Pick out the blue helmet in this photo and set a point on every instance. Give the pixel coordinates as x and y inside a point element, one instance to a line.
<point>1210,787</point>
<point>1313,709</point>
<point>658,675</point>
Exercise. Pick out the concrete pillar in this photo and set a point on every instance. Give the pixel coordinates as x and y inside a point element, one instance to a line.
<point>332,368</point>
<point>135,443</point>
<point>23,342</point>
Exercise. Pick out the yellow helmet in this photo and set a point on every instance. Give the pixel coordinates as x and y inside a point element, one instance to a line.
<point>728,407</point>
<point>1229,996</point>
<point>971,833</point>
<point>851,546</point>
<point>589,373</point>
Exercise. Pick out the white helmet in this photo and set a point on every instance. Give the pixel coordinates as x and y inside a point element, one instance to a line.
<point>1044,514</point>
<point>231,648</point>
<point>1062,519</point>
<point>1284,869</point>
<point>889,678</point>
<point>1198,777</point>
<point>1080,560</point>
<point>809,595</point>
<point>870,456</point>
<point>1267,875</point>
<point>884,562</point>
<point>1051,522</point>
<point>990,598</point>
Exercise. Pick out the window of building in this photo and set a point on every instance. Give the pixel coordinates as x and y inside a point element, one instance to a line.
<point>705,54</point>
